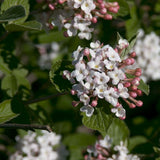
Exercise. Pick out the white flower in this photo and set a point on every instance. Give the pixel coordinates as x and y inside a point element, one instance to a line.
<point>119,111</point>
<point>77,3</point>
<point>87,6</point>
<point>85,99</point>
<point>81,23</point>
<point>85,34</point>
<point>106,142</point>
<point>80,73</point>
<point>79,88</point>
<point>99,91</point>
<point>111,96</point>
<point>123,43</point>
<point>95,44</point>
<point>88,110</point>
<point>116,75</point>
<point>101,78</point>
<point>96,64</point>
<point>123,91</point>
<point>111,53</point>
<point>108,64</point>
<point>71,30</point>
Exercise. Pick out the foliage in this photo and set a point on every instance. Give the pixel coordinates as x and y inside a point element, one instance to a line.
<point>35,95</point>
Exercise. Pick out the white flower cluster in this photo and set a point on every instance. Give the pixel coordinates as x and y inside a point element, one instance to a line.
<point>48,52</point>
<point>148,55</point>
<point>44,147</point>
<point>104,150</point>
<point>100,74</point>
<point>76,16</point>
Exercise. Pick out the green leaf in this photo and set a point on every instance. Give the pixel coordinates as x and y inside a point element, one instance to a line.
<point>100,120</point>
<point>124,8</point>
<point>4,67</point>
<point>26,26</point>
<point>77,143</point>
<point>118,131</point>
<point>10,3</point>
<point>12,13</point>
<point>6,112</point>
<point>133,24</point>
<point>144,87</point>
<point>56,73</point>
<point>20,75</point>
<point>56,36</point>
<point>126,51</point>
<point>79,140</point>
<point>9,83</point>
<point>157,150</point>
<point>136,140</point>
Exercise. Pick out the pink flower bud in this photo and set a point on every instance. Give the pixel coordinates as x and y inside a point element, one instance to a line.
<point>108,17</point>
<point>94,103</point>
<point>86,52</point>
<point>132,61</point>
<point>75,103</point>
<point>138,74</point>
<point>133,54</point>
<point>128,61</point>
<point>118,104</point>
<point>134,88</point>
<point>133,94</point>
<point>113,9</point>
<point>132,105</point>
<point>94,20</point>
<point>103,11</point>
<point>139,103</point>
<point>51,6</point>
<point>61,1</point>
<point>102,5</point>
<point>127,84</point>
<point>139,92</point>
<point>99,1</point>
<point>73,92</point>
<point>122,118</point>
<point>135,81</point>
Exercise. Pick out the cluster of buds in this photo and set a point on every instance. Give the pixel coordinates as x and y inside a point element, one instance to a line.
<point>104,150</point>
<point>101,74</point>
<point>76,16</point>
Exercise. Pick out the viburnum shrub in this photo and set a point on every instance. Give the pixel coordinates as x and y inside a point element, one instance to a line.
<point>101,73</point>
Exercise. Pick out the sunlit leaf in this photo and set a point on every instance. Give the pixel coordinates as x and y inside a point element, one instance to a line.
<point>10,3</point>
<point>6,112</point>
<point>13,13</point>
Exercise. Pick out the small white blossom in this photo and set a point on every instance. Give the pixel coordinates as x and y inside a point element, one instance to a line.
<point>88,110</point>
<point>119,111</point>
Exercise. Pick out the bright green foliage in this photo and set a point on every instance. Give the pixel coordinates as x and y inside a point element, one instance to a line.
<point>10,3</point>
<point>6,112</point>
<point>136,140</point>
<point>100,120</point>
<point>26,26</point>
<point>118,131</point>
<point>78,142</point>
<point>13,13</point>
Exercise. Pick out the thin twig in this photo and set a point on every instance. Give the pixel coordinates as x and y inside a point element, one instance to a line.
<point>44,98</point>
<point>26,126</point>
